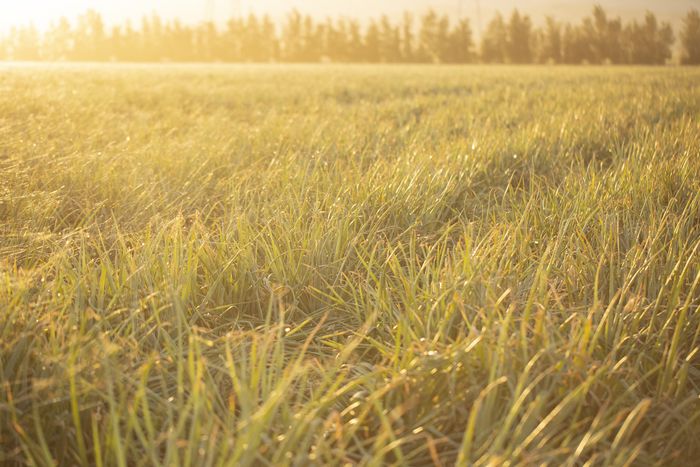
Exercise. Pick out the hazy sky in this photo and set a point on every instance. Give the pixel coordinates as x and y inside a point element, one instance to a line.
<point>43,12</point>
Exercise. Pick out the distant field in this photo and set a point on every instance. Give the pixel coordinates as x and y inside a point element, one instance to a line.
<point>349,265</point>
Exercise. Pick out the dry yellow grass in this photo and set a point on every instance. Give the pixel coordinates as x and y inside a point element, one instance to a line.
<point>365,265</point>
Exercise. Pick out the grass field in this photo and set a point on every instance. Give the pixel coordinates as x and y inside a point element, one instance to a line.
<point>349,265</point>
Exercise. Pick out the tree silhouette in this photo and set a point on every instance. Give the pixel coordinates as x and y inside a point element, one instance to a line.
<point>608,38</point>
<point>578,43</point>
<point>550,50</point>
<point>372,43</point>
<point>519,42</point>
<point>407,38</point>
<point>494,44</point>
<point>292,36</point>
<point>130,45</point>
<point>390,41</point>
<point>206,42</point>
<point>596,39</point>
<point>58,41</point>
<point>461,43</point>
<point>690,38</point>
<point>429,40</point>
<point>649,43</point>
<point>355,41</point>
<point>312,41</point>
<point>336,41</point>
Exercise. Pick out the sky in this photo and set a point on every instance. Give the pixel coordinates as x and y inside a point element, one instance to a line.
<point>41,13</point>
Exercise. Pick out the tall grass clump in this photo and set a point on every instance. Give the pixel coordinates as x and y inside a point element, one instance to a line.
<point>248,265</point>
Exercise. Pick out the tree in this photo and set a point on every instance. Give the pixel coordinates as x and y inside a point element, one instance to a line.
<point>154,40</point>
<point>407,38</point>
<point>251,40</point>
<point>607,38</point>
<point>596,39</point>
<point>181,42</point>
<point>147,37</point>
<point>130,44</point>
<point>270,46</point>
<point>443,39</point>
<point>58,41</point>
<point>233,40</point>
<point>551,42</point>
<point>372,43</point>
<point>495,41</point>
<point>429,45</point>
<point>690,38</point>
<point>578,43</point>
<point>390,41</point>
<point>356,46</point>
<point>649,43</point>
<point>293,45</point>
<point>336,41</point>
<point>207,42</point>
<point>312,39</point>
<point>461,43</point>
<point>519,42</point>
<point>90,38</point>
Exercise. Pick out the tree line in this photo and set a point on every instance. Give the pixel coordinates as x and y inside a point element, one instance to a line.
<point>430,38</point>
